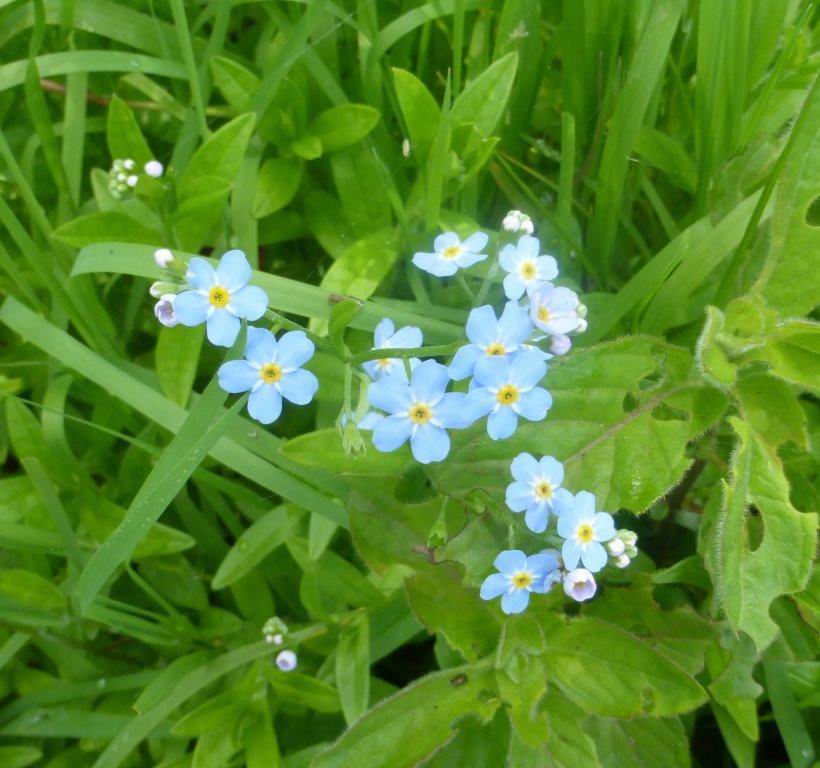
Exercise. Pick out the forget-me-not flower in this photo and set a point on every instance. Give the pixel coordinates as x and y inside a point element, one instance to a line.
<point>419,411</point>
<point>491,337</point>
<point>584,530</point>
<point>220,297</point>
<point>506,389</point>
<point>270,371</point>
<point>579,584</point>
<point>518,576</point>
<point>452,254</point>
<point>537,489</point>
<point>555,310</point>
<point>387,337</point>
<point>526,269</point>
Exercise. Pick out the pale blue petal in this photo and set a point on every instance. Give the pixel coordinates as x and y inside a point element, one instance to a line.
<point>265,404</point>
<point>223,328</point>
<point>406,338</point>
<point>249,302</point>
<point>466,260</point>
<point>494,585</point>
<point>515,602</point>
<point>477,403</point>
<point>448,410</point>
<point>492,371</point>
<point>475,242</point>
<point>508,258</point>
<point>389,394</point>
<point>200,274</point>
<point>370,420</point>
<point>298,386</point>
<point>191,308</point>
<point>502,423</point>
<point>261,346</point>
<point>547,267</point>
<point>233,271</point>
<point>528,369</point>
<point>524,467</point>
<point>372,369</point>
<point>571,553</point>
<point>435,265</point>
<point>429,444</point>
<point>518,496</point>
<point>552,469</point>
<point>533,405</point>
<point>595,557</point>
<point>295,349</point>
<point>604,526</point>
<point>429,380</point>
<point>384,330</point>
<point>515,325</point>
<point>514,286</point>
<point>237,376</point>
<point>482,326</point>
<point>445,240</point>
<point>585,504</point>
<point>528,247</point>
<point>537,517</point>
<point>567,521</point>
<point>464,362</point>
<point>392,432</point>
<point>509,561</point>
<point>562,501</point>
<point>542,563</point>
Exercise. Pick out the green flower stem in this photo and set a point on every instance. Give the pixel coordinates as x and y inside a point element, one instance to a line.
<point>405,354</point>
<point>463,283</point>
<point>488,281</point>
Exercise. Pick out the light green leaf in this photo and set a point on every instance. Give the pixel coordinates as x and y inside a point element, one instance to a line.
<point>353,668</point>
<point>105,225</point>
<point>660,742</point>
<point>235,82</point>
<point>279,179</point>
<point>31,590</point>
<point>339,127</point>
<point>363,266</point>
<point>177,357</point>
<point>420,110</point>
<point>296,688</point>
<point>125,139</point>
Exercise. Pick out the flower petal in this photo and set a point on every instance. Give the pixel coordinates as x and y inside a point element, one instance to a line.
<point>429,443</point>
<point>233,271</point>
<point>542,563</point>
<point>510,560</point>
<point>585,505</point>
<point>429,380</point>
<point>594,558</point>
<point>528,246</point>
<point>298,386</point>
<point>406,338</point>
<point>475,242</point>
<point>547,267</point>
<point>515,602</point>
<point>249,302</point>
<point>515,325</point>
<point>223,328</point>
<point>513,286</point>
<point>295,349</point>
<point>464,362</point>
<point>468,258</point>
<point>508,258</point>
<point>200,274</point>
<point>477,403</point>
<point>389,394</point>
<point>482,325</point>
<point>434,264</point>
<point>528,369</point>
<point>492,372</point>
<point>448,410</point>
<point>392,432</point>
<point>518,496</point>
<point>533,405</point>
<point>502,423</point>
<point>445,240</point>
<point>604,526</point>
<point>571,553</point>
<point>562,501</point>
<point>537,517</point>
<point>494,585</point>
<point>265,404</point>
<point>237,376</point>
<point>524,467</point>
<point>384,330</point>
<point>191,308</point>
<point>261,346</point>
<point>567,521</point>
<point>552,469</point>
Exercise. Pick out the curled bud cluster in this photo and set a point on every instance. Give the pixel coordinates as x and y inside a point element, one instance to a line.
<point>125,175</point>
<point>515,221</point>
<point>275,631</point>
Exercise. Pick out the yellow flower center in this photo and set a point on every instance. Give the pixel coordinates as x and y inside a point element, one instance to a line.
<point>522,579</point>
<point>270,373</point>
<point>383,362</point>
<point>585,533</point>
<point>528,270</point>
<point>420,413</point>
<point>495,350</point>
<point>451,252</point>
<point>507,395</point>
<point>219,296</point>
<point>543,490</point>
<point>543,314</point>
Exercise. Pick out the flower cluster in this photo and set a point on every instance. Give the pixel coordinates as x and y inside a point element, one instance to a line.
<point>588,538</point>
<point>124,175</point>
<point>275,632</point>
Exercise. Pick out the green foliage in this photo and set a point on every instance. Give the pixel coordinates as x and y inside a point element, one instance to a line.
<point>669,156</point>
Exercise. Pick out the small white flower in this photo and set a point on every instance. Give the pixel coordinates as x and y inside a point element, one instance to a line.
<point>277,639</point>
<point>555,310</point>
<point>579,584</point>
<point>621,561</point>
<point>515,221</point>
<point>164,310</point>
<point>451,254</point>
<point>615,547</point>
<point>286,661</point>
<point>560,344</point>
<point>132,180</point>
<point>527,271</point>
<point>154,168</point>
<point>163,257</point>
<point>128,165</point>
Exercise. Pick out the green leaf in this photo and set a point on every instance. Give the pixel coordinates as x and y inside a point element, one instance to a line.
<point>177,358</point>
<point>19,757</point>
<point>745,581</point>
<point>307,147</point>
<point>660,742</point>
<point>125,139</point>
<point>341,316</point>
<point>296,688</point>
<point>339,127</point>
<point>420,111</point>
<point>269,532</point>
<point>324,449</point>
<point>360,183</point>
<point>235,82</point>
<point>363,266</point>
<point>609,672</point>
<point>30,590</point>
<point>105,225</point>
<point>404,729</point>
<point>353,669</point>
<point>772,409</point>
<point>278,182</point>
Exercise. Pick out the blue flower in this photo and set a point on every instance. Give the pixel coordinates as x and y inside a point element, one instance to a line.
<point>527,270</point>
<point>220,297</point>
<point>518,576</point>
<point>419,411</point>
<point>271,370</point>
<point>387,337</point>
<point>555,310</point>
<point>537,490</point>
<point>584,530</point>
<point>491,337</point>
<point>451,254</point>
<point>505,391</point>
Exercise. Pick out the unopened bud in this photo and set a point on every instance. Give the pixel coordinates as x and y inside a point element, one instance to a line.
<point>286,661</point>
<point>621,561</point>
<point>160,288</point>
<point>154,168</point>
<point>164,310</point>
<point>615,547</point>
<point>560,344</point>
<point>580,585</point>
<point>163,257</point>
<point>515,221</point>
<point>132,180</point>
<point>128,165</point>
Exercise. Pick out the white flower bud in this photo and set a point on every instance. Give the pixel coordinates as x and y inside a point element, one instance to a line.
<point>157,289</point>
<point>278,639</point>
<point>269,639</point>
<point>615,547</point>
<point>405,147</point>
<point>164,310</point>
<point>128,165</point>
<point>580,585</point>
<point>286,661</point>
<point>515,221</point>
<point>163,257</point>
<point>560,344</point>
<point>621,561</point>
<point>582,326</point>
<point>121,177</point>
<point>154,168</point>
<point>132,180</point>
<point>629,538</point>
